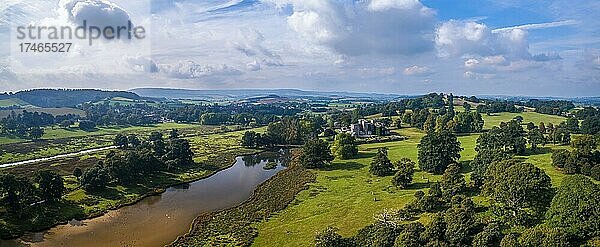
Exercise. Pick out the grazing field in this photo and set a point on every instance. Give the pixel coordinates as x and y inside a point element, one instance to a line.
<point>348,197</point>
<point>59,140</point>
<point>496,118</point>
<point>53,111</point>
<point>13,102</point>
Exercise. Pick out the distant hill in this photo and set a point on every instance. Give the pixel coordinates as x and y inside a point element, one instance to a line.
<point>56,98</point>
<point>241,94</point>
<point>592,100</point>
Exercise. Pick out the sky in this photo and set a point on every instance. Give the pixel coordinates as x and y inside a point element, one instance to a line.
<point>469,47</point>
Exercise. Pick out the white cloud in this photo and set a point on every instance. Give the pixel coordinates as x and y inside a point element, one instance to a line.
<point>537,26</point>
<point>192,70</point>
<point>381,5</point>
<point>141,64</point>
<point>251,44</point>
<point>478,76</point>
<point>416,70</point>
<point>459,38</point>
<point>375,71</point>
<point>253,66</point>
<point>100,13</point>
<point>385,27</point>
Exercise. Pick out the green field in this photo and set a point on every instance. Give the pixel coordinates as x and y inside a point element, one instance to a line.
<point>53,111</point>
<point>59,140</point>
<point>12,102</point>
<point>348,197</point>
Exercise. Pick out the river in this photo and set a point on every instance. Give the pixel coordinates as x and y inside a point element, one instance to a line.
<point>158,220</point>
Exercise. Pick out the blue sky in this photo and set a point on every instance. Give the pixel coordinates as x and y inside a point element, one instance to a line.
<point>543,48</point>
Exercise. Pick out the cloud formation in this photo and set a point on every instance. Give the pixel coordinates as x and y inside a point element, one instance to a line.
<point>401,27</point>
<point>98,13</point>
<point>192,70</point>
<point>417,70</point>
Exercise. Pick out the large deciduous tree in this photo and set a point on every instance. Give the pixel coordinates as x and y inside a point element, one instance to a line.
<point>344,146</point>
<point>315,154</point>
<point>381,164</point>
<point>520,190</point>
<point>575,207</point>
<point>51,185</point>
<point>404,174</point>
<point>437,150</point>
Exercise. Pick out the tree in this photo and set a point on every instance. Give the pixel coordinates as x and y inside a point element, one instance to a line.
<point>35,133</point>
<point>460,222</point>
<point>157,143</point>
<point>575,207</point>
<point>437,150</point>
<point>174,134</point>
<point>489,237</point>
<point>330,238</point>
<point>453,182</point>
<point>377,234</point>
<point>467,106</point>
<point>120,141</point>
<point>77,172</point>
<point>507,138</point>
<point>520,190</point>
<point>404,174</point>
<point>510,240</point>
<point>87,125</point>
<point>481,162</point>
<point>178,153</point>
<point>315,154</point>
<point>95,178</point>
<point>133,140</point>
<point>344,146</point>
<point>542,127</point>
<point>545,236</point>
<point>249,139</point>
<point>410,235</point>
<point>536,138</point>
<point>585,144</point>
<point>51,185</point>
<point>66,123</point>
<point>381,164</point>
<point>19,192</point>
<point>530,126</point>
<point>572,125</point>
<point>591,125</point>
<point>435,231</point>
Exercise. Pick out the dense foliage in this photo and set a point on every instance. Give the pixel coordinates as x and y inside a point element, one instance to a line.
<point>315,154</point>
<point>437,150</point>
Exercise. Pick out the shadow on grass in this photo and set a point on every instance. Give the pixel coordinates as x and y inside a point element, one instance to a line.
<point>365,155</point>
<point>419,186</point>
<point>347,166</point>
<point>539,150</point>
<point>465,166</point>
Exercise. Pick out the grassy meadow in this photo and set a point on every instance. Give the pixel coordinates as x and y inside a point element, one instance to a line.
<point>347,196</point>
<point>60,140</point>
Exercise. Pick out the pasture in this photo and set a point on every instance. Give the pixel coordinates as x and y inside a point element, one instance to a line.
<point>346,196</point>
